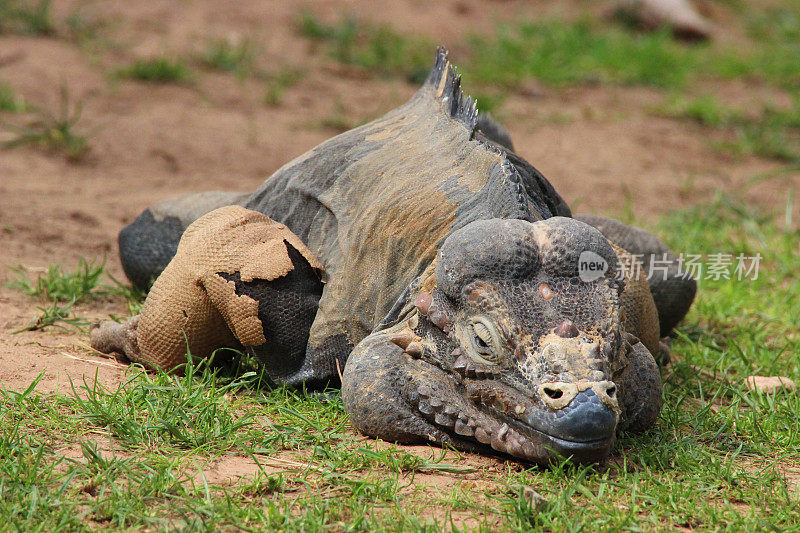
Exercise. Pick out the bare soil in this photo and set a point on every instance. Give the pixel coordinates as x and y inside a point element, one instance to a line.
<point>599,145</point>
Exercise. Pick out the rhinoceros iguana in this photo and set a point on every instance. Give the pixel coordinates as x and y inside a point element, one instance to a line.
<point>433,270</point>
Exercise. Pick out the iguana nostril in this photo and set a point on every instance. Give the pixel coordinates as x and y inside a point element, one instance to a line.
<point>611,391</point>
<point>553,393</point>
<point>567,330</point>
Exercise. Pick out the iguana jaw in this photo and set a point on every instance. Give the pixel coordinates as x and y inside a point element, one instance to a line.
<point>487,409</point>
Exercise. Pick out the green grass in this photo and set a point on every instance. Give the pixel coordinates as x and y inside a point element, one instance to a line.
<point>91,31</point>
<point>26,16</point>
<point>56,284</point>
<point>714,461</point>
<point>568,53</point>
<point>776,32</point>
<point>723,336</point>
<point>705,110</point>
<point>555,52</point>
<point>10,101</point>
<point>278,83</point>
<point>771,132</point>
<point>156,70</point>
<point>223,55</point>
<point>561,53</point>
<point>376,49</point>
<point>170,428</point>
<point>56,314</point>
<point>60,290</point>
<point>338,120</point>
<point>53,132</point>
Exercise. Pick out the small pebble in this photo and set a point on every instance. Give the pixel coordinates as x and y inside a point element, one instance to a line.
<point>536,500</point>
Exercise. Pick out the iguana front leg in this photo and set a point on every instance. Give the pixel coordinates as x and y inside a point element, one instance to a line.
<point>238,279</point>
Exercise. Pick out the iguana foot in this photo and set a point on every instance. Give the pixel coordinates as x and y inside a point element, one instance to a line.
<point>117,338</point>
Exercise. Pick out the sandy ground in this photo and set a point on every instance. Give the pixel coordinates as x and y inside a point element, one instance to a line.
<point>149,142</point>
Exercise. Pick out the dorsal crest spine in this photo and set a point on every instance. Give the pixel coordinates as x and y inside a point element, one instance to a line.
<point>446,83</point>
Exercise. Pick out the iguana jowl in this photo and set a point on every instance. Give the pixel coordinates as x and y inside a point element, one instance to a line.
<point>433,265</point>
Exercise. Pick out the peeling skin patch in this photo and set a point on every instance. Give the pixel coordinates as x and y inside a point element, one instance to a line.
<point>255,267</point>
<point>239,311</point>
<point>190,306</point>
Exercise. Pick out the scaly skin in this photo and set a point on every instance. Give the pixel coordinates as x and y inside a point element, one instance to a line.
<point>452,294</point>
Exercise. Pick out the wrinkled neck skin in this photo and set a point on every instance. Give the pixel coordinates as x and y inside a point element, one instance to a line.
<point>504,347</point>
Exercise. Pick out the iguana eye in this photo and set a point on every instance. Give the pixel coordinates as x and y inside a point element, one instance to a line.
<point>545,291</point>
<point>482,338</point>
<point>484,343</point>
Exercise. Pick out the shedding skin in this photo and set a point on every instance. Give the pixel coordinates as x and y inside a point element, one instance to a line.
<point>192,307</point>
<point>429,270</point>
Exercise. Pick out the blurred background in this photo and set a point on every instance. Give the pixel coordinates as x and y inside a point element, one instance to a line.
<point>107,107</point>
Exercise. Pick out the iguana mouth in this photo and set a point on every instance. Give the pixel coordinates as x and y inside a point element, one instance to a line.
<point>497,416</point>
<point>580,451</point>
<point>584,451</point>
<point>518,437</point>
<point>508,435</point>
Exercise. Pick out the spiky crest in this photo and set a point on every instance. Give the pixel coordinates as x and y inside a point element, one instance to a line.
<point>446,82</point>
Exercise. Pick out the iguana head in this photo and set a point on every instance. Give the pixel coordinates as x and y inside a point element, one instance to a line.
<point>514,345</point>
